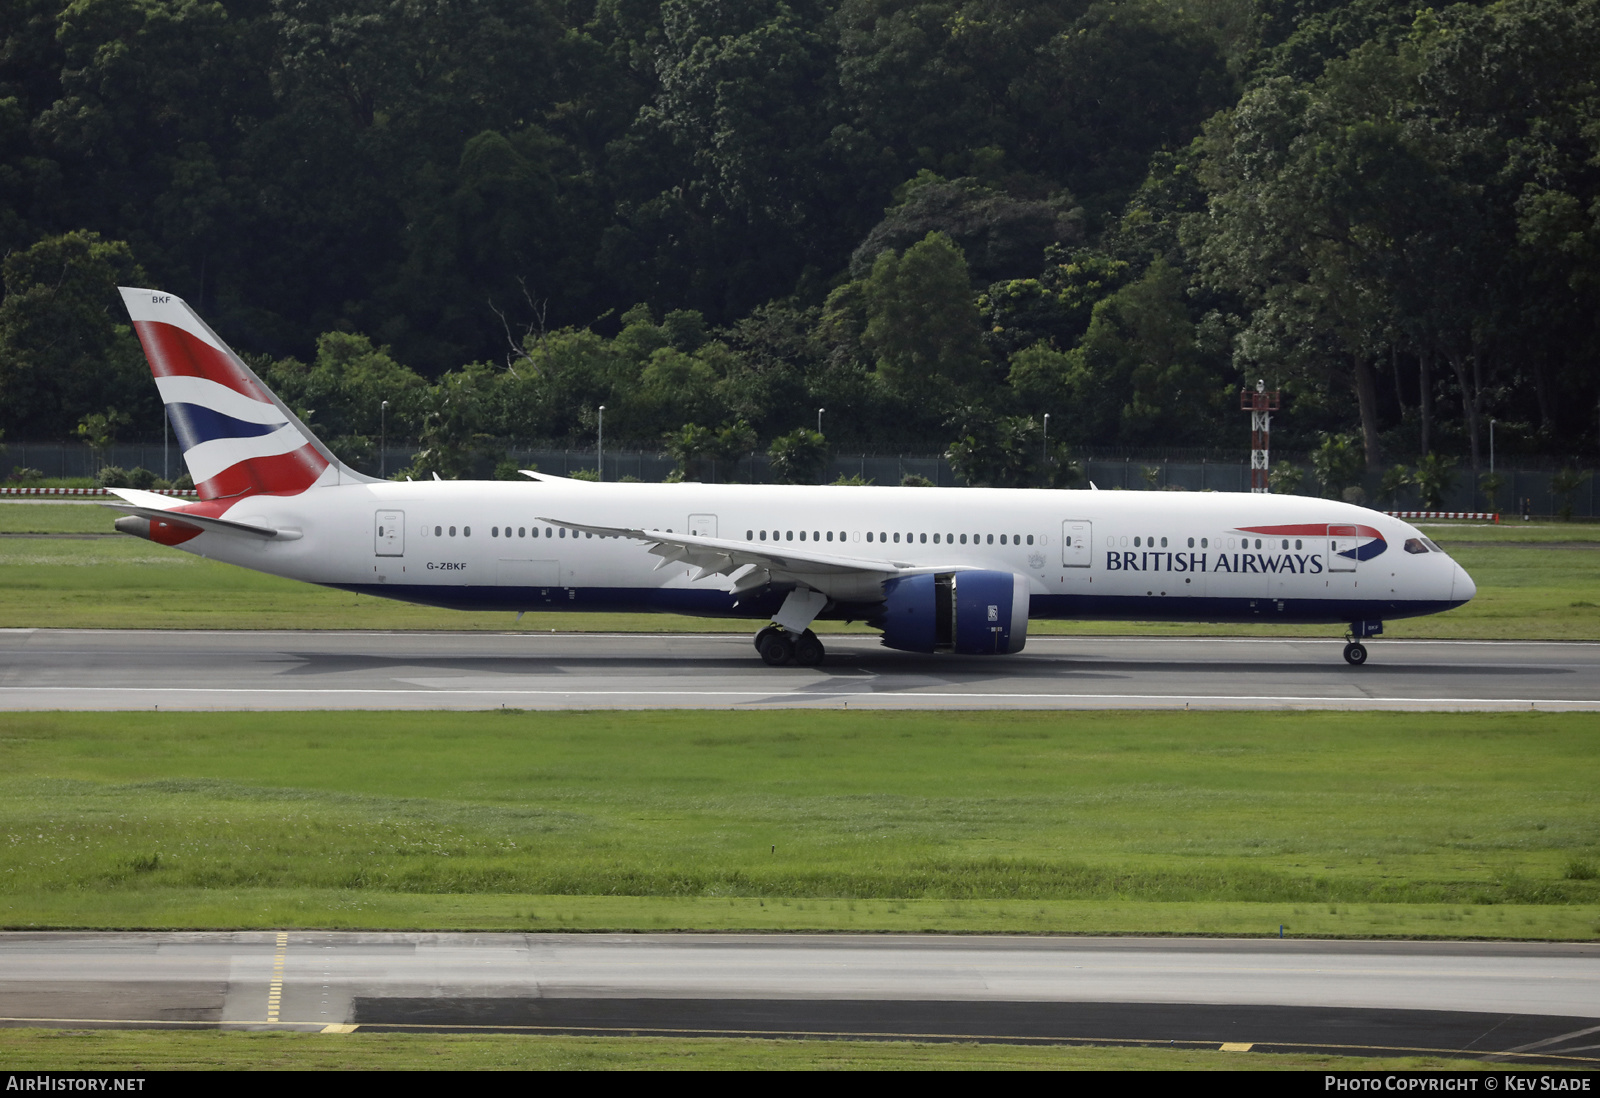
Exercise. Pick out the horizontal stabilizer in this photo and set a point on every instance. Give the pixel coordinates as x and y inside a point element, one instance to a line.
<point>200,522</point>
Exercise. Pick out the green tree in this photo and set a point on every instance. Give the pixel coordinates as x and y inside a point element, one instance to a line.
<point>1008,452</point>
<point>1434,476</point>
<point>1285,478</point>
<point>691,446</point>
<point>65,346</point>
<point>799,457</point>
<point>1337,464</point>
<point>1564,484</point>
<point>99,430</point>
<point>922,324</point>
<point>1396,479</point>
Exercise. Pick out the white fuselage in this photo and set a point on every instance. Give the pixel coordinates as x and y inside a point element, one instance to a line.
<point>503,545</point>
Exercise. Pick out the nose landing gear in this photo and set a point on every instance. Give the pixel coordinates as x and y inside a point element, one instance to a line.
<point>1355,653</point>
<point>778,647</point>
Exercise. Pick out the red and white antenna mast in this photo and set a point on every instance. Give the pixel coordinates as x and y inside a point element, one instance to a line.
<point>1260,404</point>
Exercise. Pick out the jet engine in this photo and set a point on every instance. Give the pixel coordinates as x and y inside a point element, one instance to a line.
<point>972,613</point>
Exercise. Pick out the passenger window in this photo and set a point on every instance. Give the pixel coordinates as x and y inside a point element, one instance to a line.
<point>522,531</point>
<point>466,531</point>
<point>991,539</point>
<point>1136,543</point>
<point>1002,539</point>
<point>897,537</point>
<point>1030,539</point>
<point>586,533</point>
<point>1191,543</point>
<point>1297,544</point>
<point>1286,543</point>
<point>1258,543</point>
<point>869,535</point>
<point>452,531</point>
<point>763,535</point>
<point>923,538</point>
<point>1163,543</point>
<point>963,539</point>
<point>936,539</point>
<point>563,531</point>
<point>883,535</point>
<point>749,535</point>
<point>830,535</point>
<point>802,535</point>
<point>788,535</point>
<point>1230,543</point>
<point>438,531</point>
<point>494,532</point>
<point>1205,543</point>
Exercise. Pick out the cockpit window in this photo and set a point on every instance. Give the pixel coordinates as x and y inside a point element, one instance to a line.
<point>1429,543</point>
<point>1415,545</point>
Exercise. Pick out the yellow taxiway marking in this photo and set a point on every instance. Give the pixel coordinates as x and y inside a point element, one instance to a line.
<point>275,990</point>
<point>1237,1046</point>
<point>337,1028</point>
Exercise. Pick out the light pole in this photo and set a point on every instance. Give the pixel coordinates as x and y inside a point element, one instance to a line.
<point>1044,453</point>
<point>819,419</point>
<point>600,444</point>
<point>1491,447</point>
<point>383,441</point>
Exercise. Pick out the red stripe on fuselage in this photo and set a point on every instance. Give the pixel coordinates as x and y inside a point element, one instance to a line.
<point>278,475</point>
<point>173,352</point>
<point>1311,530</point>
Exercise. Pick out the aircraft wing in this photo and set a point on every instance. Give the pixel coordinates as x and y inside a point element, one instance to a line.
<point>761,562</point>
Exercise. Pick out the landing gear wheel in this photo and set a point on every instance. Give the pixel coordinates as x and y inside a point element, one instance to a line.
<point>761,637</point>
<point>808,650</point>
<point>1355,654</point>
<point>777,649</point>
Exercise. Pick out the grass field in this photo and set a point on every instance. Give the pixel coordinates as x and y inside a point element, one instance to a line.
<point>1524,592</point>
<point>1329,823</point>
<point>102,1050</point>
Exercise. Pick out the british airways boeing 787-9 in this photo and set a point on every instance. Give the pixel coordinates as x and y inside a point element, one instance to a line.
<point>936,569</point>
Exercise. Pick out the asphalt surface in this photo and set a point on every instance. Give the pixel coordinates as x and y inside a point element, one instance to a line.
<point>106,670</point>
<point>1518,1002</point>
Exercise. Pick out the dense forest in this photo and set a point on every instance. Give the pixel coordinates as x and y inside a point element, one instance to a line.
<point>937,219</point>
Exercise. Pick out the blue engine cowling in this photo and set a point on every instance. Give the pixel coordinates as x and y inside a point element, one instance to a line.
<point>971,613</point>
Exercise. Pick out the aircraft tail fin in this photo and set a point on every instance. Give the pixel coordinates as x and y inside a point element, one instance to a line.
<point>238,438</point>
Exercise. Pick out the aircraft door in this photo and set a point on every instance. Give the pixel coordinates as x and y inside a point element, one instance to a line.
<point>703,526</point>
<point>1077,543</point>
<point>1342,540</point>
<point>389,533</point>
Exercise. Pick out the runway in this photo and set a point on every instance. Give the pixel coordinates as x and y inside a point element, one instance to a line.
<point>109,670</point>
<point>1528,1002</point>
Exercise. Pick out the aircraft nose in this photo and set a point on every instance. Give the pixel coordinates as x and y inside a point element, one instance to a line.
<point>1461,586</point>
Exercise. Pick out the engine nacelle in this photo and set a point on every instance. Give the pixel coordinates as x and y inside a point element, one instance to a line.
<point>971,613</point>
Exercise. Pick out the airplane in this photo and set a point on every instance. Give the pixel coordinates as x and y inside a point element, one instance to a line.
<point>937,570</point>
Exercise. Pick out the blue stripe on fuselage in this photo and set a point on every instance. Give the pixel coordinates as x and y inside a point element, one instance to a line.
<point>762,605</point>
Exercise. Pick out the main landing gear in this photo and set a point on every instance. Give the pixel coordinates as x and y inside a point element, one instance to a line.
<point>1355,653</point>
<point>779,646</point>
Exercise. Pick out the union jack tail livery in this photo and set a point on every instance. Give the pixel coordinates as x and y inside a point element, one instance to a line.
<point>238,438</point>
